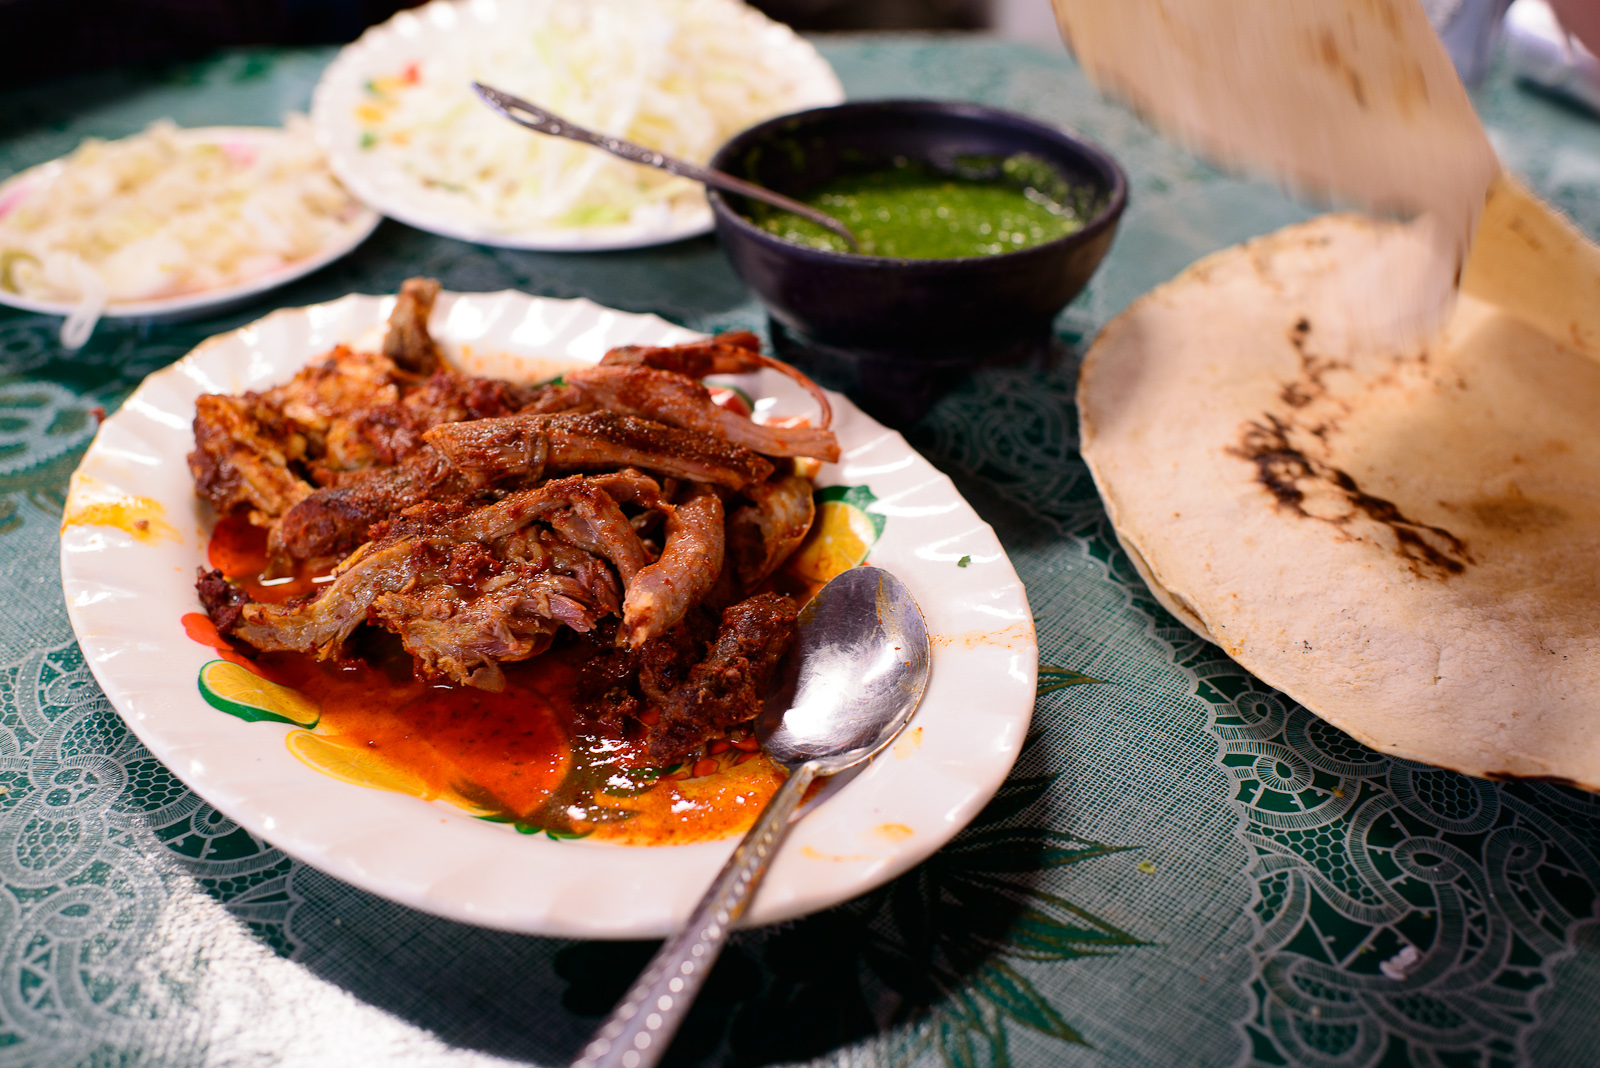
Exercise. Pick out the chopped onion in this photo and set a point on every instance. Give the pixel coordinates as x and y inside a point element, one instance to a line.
<point>157,215</point>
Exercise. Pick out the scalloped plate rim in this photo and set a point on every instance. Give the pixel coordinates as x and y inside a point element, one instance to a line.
<point>656,886</point>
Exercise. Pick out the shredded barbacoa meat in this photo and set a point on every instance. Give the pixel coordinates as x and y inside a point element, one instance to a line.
<point>480,520</point>
<point>705,675</point>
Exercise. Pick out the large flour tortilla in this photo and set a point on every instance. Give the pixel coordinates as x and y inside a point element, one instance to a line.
<point>1406,542</point>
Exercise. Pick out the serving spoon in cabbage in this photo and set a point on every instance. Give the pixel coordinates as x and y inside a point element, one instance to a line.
<point>538,119</point>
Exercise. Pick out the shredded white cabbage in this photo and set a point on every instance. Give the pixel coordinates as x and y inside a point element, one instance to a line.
<point>156,215</point>
<point>681,76</point>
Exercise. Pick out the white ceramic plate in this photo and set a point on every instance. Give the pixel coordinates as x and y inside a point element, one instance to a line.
<point>192,305</point>
<point>388,47</point>
<point>126,597</point>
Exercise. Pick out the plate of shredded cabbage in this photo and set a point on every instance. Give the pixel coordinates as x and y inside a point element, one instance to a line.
<point>403,130</point>
<point>171,223</point>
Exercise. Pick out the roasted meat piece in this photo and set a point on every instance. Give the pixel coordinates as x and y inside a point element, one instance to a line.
<point>527,445</point>
<point>340,421</point>
<point>265,450</point>
<point>517,600</point>
<point>222,600</point>
<point>661,594</point>
<point>728,686</point>
<point>479,520</point>
<point>460,458</point>
<point>763,533</point>
<point>408,342</point>
<point>333,520</point>
<point>243,455</point>
<point>466,587</point>
<point>734,353</point>
<point>676,400</point>
<point>693,681</point>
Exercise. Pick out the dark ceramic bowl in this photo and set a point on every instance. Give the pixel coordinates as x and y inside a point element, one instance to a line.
<point>894,331</point>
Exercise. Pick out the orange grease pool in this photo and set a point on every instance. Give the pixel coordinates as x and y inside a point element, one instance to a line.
<point>513,756</point>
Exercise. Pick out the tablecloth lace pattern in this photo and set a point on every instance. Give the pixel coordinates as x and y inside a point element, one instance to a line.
<point>1397,905</point>
<point>86,814</point>
<point>1185,868</point>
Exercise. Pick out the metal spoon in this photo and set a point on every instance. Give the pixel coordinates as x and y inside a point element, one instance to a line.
<point>859,668</point>
<point>536,118</point>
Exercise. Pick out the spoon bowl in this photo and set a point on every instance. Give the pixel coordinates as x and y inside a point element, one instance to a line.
<point>858,669</point>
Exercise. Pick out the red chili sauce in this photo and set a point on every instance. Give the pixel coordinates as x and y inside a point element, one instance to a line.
<point>515,756</point>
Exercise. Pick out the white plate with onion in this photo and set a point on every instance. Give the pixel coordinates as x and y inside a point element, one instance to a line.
<point>175,252</point>
<point>402,128</point>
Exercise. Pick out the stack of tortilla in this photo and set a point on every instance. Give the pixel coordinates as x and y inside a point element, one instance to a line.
<point>1380,498</point>
<point>1405,538</point>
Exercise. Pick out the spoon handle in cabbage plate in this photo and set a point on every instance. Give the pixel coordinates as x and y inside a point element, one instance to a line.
<point>538,119</point>
<point>640,1028</point>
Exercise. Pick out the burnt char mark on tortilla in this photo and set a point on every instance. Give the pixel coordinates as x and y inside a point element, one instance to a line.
<point>1309,387</point>
<point>1288,473</point>
<point>1453,558</point>
<point>1298,394</point>
<point>1295,396</point>
<point>1281,469</point>
<point>1279,466</point>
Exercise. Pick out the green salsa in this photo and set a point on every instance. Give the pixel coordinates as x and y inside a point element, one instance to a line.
<point>908,210</point>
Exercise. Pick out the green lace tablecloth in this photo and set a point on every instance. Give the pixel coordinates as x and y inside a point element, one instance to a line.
<point>1186,868</point>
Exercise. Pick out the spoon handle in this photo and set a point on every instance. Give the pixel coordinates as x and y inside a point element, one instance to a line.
<point>640,1028</point>
<point>536,118</point>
